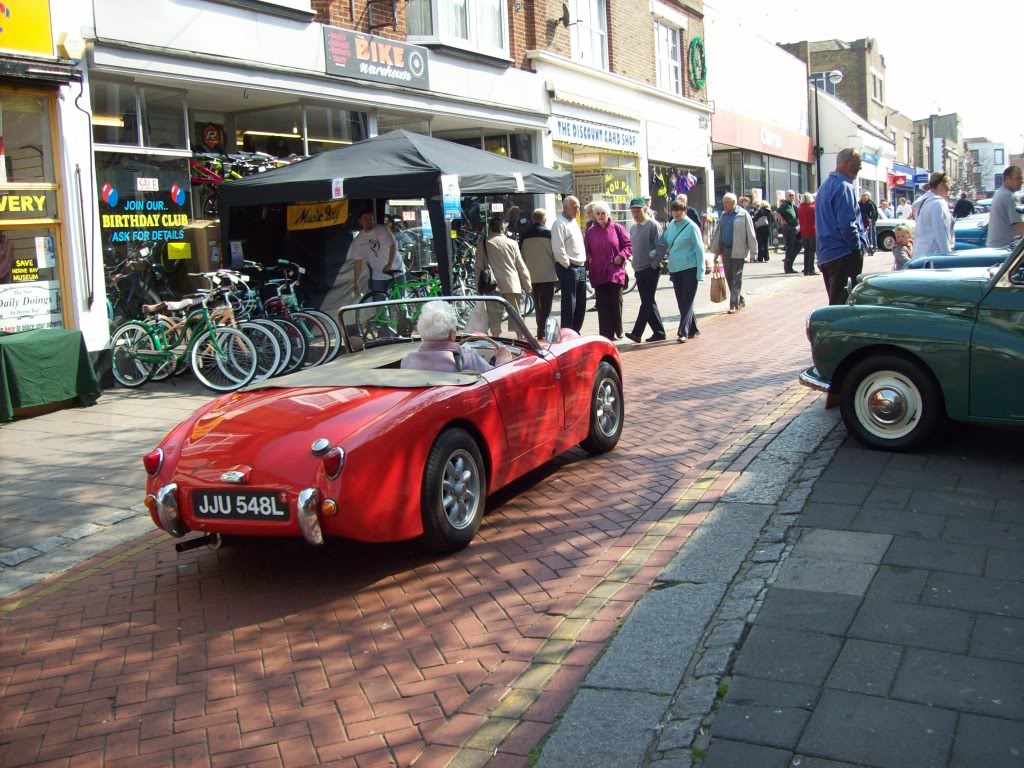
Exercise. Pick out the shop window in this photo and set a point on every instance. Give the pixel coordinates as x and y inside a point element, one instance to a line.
<point>277,132</point>
<point>31,285</point>
<point>497,145</point>
<point>115,113</point>
<point>755,174</point>
<point>477,25</point>
<point>163,121</point>
<point>668,58</point>
<point>329,128</point>
<point>590,33</point>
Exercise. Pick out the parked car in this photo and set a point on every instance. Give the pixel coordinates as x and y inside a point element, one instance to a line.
<point>885,232</point>
<point>983,206</point>
<point>970,232</point>
<point>363,449</point>
<point>977,257</point>
<point>911,347</point>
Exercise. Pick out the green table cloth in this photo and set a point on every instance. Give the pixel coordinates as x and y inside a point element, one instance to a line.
<point>47,365</point>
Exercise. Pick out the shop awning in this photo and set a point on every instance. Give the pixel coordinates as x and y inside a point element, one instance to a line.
<point>397,164</point>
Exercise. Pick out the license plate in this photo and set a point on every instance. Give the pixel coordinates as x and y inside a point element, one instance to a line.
<point>265,506</point>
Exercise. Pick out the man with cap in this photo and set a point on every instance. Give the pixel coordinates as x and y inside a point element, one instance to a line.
<point>644,234</point>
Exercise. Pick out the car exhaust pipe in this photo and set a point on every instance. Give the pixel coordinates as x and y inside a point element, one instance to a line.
<point>211,540</point>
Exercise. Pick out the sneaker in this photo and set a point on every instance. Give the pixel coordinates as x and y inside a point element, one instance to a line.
<point>732,311</point>
<point>681,339</point>
<point>635,338</point>
<point>656,337</point>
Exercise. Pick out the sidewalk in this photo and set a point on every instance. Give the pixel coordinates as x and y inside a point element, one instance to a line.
<point>880,623</point>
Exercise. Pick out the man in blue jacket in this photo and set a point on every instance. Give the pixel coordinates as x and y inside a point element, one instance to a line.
<point>841,239</point>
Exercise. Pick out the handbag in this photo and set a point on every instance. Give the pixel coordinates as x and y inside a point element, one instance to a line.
<point>486,284</point>
<point>719,292</point>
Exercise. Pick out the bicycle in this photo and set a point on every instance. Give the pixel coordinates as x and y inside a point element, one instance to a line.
<point>223,358</point>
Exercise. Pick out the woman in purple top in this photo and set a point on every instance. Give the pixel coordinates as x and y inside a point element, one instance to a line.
<point>608,246</point>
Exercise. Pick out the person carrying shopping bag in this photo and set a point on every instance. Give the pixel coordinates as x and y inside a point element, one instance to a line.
<point>682,242</point>
<point>733,241</point>
<point>608,247</point>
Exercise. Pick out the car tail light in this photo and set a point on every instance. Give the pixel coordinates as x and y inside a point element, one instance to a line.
<point>334,462</point>
<point>329,507</point>
<point>150,503</point>
<point>152,461</point>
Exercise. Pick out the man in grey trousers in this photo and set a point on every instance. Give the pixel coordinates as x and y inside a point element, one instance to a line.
<point>734,240</point>
<point>644,235</point>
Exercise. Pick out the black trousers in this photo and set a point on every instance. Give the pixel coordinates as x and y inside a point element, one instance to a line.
<point>792,238</point>
<point>763,235</point>
<point>543,297</point>
<point>609,309</point>
<point>647,287</point>
<point>684,283</point>
<point>573,281</point>
<point>837,272</point>
<point>810,244</point>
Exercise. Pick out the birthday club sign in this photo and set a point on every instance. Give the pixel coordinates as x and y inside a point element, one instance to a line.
<point>144,214</point>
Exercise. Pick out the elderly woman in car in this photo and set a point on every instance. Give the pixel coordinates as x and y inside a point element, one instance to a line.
<point>438,327</point>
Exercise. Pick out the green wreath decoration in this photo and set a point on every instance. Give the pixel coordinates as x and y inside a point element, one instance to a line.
<point>698,64</point>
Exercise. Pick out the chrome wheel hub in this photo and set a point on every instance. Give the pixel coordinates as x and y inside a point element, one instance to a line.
<point>888,404</point>
<point>607,401</point>
<point>460,489</point>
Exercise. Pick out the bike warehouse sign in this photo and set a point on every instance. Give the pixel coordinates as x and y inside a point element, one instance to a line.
<point>368,57</point>
<point>27,306</point>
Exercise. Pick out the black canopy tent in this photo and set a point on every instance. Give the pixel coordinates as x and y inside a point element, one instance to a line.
<point>397,164</point>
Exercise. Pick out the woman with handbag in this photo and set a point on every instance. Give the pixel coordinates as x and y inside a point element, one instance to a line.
<point>501,269</point>
<point>762,217</point>
<point>682,242</point>
<point>608,246</point>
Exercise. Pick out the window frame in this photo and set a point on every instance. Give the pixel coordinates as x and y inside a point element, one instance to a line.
<point>663,59</point>
<point>600,12</point>
<point>441,36</point>
<point>998,157</point>
<point>140,112</point>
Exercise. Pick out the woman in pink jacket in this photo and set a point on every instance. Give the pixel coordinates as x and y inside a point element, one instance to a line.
<point>608,246</point>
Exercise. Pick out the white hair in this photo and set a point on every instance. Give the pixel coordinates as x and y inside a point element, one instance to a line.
<point>729,196</point>
<point>438,321</point>
<point>601,207</point>
<point>681,198</point>
<point>570,199</point>
<point>808,197</point>
<point>790,192</point>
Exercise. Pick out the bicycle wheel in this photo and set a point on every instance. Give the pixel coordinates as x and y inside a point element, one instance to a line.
<point>381,324</point>
<point>127,341</point>
<point>298,341</point>
<point>268,351</point>
<point>283,341</point>
<point>337,341</point>
<point>224,359</point>
<point>318,338</point>
<point>168,368</point>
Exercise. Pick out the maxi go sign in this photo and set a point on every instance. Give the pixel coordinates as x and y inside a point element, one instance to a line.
<point>573,131</point>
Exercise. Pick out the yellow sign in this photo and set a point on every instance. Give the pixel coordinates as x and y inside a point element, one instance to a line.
<point>22,203</point>
<point>25,27</point>
<point>316,215</point>
<point>177,251</point>
<point>24,271</point>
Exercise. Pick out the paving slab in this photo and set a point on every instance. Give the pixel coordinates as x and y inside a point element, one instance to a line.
<point>1003,564</point>
<point>849,493</point>
<point>998,637</point>
<point>899,523</point>
<point>652,650</point>
<point>613,728</point>
<point>737,754</point>
<point>787,655</point>
<point>888,497</point>
<point>922,626</point>
<point>820,514</point>
<point>988,741</point>
<point>771,726</point>
<point>865,667</point>
<point>764,480</point>
<point>939,503</point>
<point>878,732</point>
<point>917,478</point>
<point>715,551</point>
<point>770,693</point>
<point>974,593</point>
<point>936,555</point>
<point>989,533</point>
<point>825,544</point>
<point>966,683</point>
<point>897,582</point>
<point>817,575</point>
<point>811,611</point>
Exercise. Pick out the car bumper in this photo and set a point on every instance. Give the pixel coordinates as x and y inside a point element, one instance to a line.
<point>812,379</point>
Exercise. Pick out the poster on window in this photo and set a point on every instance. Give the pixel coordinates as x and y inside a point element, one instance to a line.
<point>27,306</point>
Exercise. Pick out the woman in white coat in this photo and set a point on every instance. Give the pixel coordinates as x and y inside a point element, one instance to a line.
<point>933,234</point>
<point>733,241</point>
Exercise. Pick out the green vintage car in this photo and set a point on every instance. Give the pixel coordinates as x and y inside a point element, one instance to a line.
<point>911,347</point>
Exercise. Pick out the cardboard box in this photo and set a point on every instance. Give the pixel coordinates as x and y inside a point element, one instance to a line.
<point>203,237</point>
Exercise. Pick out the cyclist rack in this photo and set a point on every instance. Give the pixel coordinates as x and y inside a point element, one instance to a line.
<point>369,15</point>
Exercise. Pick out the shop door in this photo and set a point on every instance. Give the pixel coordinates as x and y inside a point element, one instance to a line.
<point>33,287</point>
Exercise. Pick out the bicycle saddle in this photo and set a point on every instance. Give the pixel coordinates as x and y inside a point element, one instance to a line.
<point>154,309</point>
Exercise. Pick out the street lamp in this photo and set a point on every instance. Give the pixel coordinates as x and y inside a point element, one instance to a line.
<point>931,135</point>
<point>835,77</point>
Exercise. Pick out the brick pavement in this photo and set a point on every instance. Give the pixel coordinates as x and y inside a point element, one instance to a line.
<point>275,654</point>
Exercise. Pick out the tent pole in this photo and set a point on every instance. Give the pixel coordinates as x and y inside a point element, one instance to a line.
<point>442,244</point>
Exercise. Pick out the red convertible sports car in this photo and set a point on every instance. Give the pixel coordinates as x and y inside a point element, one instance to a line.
<point>369,449</point>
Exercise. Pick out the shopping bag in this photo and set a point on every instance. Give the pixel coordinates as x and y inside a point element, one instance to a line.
<point>719,290</point>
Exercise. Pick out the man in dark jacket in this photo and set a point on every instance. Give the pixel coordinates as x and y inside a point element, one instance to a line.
<point>790,231</point>
<point>964,207</point>
<point>869,215</point>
